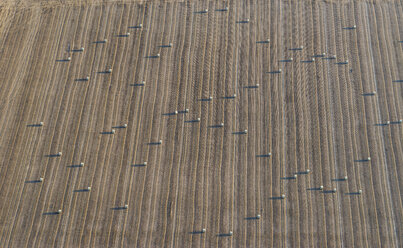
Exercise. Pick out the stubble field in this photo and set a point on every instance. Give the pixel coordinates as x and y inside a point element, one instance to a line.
<point>318,115</point>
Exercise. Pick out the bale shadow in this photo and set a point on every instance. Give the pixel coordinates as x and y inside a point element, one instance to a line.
<point>33,181</point>
<point>252,218</point>
<point>154,143</point>
<point>215,126</point>
<point>302,173</point>
<point>295,49</point>
<point>381,124</point>
<point>329,58</point>
<point>368,94</point>
<point>353,193</point>
<point>241,22</point>
<point>80,190</point>
<point>164,46</point>
<point>80,79</point>
<point>196,232</point>
<point>224,235</point>
<point>182,112</point>
<point>104,72</point>
<point>285,60</point>
<point>328,192</point>
<point>169,114</point>
<point>395,122</point>
<point>263,155</point>
<point>122,35</point>
<point>106,132</point>
<point>119,208</point>
<point>251,87</point>
<point>204,100</point>
<point>74,166</point>
<point>398,81</point>
<point>221,10</point>
<point>274,72</point>
<point>51,213</point>
<point>227,97</point>
<point>99,42</point>
<point>314,189</point>
<point>200,12</point>
<point>348,28</point>
<point>288,178</point>
<point>338,179</point>
<point>135,27</point>
<point>34,125</point>
<point>307,61</point>
<point>276,198</point>
<point>52,155</point>
<point>318,56</point>
<point>77,50</point>
<point>191,121</point>
<point>238,133</point>
<point>62,60</point>
<point>121,127</point>
<point>262,42</point>
<point>361,160</point>
<point>151,57</point>
<point>138,165</point>
<point>137,85</point>
<point>341,63</point>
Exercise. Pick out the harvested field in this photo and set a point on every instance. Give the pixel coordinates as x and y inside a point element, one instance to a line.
<point>117,88</point>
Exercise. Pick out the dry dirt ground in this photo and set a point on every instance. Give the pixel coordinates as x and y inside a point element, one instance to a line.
<point>317,115</point>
